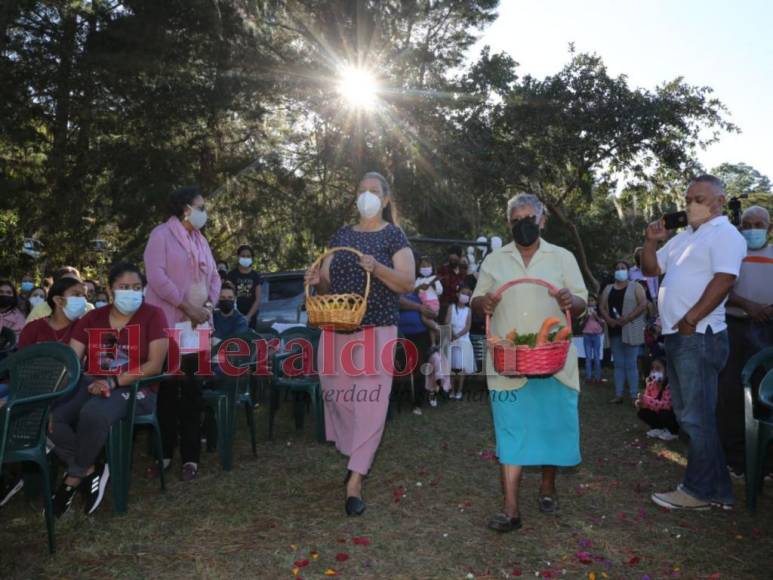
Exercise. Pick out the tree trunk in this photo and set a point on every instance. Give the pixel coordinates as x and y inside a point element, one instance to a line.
<point>62,97</point>
<point>582,257</point>
<point>8,11</point>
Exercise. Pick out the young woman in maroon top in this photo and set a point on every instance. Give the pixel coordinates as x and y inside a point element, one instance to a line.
<point>121,343</point>
<point>58,326</point>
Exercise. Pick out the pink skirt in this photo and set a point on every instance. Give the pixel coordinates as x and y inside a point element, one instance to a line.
<point>356,379</point>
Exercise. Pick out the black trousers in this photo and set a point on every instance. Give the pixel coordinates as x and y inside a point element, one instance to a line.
<point>659,419</point>
<point>179,412</point>
<point>747,338</point>
<point>422,343</point>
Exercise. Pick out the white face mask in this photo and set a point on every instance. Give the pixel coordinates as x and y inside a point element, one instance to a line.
<point>656,376</point>
<point>35,300</point>
<point>245,262</point>
<point>463,299</point>
<point>368,204</point>
<point>425,272</point>
<point>197,217</point>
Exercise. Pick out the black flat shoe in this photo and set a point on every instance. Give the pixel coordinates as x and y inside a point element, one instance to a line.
<point>354,506</point>
<point>548,504</point>
<point>503,523</point>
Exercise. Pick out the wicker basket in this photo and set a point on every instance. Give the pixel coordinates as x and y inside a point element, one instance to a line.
<point>523,361</point>
<point>342,312</point>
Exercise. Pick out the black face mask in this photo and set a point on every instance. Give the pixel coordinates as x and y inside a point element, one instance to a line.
<point>7,301</point>
<point>226,306</point>
<point>525,231</point>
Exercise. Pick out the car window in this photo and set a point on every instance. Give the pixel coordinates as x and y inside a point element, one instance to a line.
<point>285,288</point>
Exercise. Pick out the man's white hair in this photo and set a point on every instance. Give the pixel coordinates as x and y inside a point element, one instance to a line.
<point>757,210</point>
<point>523,199</point>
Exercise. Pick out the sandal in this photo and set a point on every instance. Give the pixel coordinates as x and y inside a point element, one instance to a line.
<point>548,504</point>
<point>503,523</point>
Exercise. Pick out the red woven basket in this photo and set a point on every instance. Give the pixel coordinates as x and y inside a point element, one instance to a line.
<point>523,361</point>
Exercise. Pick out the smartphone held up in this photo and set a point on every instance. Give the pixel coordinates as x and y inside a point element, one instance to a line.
<point>675,221</point>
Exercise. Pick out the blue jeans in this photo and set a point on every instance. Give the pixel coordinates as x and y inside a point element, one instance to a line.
<point>592,344</point>
<point>624,358</point>
<point>694,363</point>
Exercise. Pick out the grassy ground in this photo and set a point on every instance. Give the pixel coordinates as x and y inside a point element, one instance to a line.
<point>434,484</point>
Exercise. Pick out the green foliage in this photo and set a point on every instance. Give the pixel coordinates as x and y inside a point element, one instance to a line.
<point>106,107</point>
<point>741,179</point>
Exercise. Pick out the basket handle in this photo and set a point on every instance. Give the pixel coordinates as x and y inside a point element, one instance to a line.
<point>507,285</point>
<point>329,251</point>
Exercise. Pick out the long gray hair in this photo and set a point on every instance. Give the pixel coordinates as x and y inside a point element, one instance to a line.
<point>389,212</point>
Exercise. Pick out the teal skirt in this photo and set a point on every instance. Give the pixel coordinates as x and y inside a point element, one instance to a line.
<point>537,424</point>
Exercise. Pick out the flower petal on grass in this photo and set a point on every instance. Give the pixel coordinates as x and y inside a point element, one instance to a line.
<point>331,572</point>
<point>342,557</point>
<point>360,541</point>
<point>301,563</point>
<point>584,557</point>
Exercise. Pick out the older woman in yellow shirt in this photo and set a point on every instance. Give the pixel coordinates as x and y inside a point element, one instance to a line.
<point>535,420</point>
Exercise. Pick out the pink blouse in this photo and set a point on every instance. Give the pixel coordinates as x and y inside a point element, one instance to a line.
<point>13,319</point>
<point>175,261</point>
<point>652,398</point>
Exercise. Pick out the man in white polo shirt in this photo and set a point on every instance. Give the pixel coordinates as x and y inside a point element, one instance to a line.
<point>750,329</point>
<point>700,265</point>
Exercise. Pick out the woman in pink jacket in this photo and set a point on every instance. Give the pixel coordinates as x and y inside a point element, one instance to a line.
<point>183,282</point>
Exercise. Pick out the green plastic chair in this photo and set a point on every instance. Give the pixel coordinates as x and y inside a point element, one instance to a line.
<point>37,376</point>
<point>759,431</point>
<point>228,392</point>
<point>308,384</point>
<point>120,446</point>
<point>263,381</point>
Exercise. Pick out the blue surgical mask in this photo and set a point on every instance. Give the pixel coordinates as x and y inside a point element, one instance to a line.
<point>27,286</point>
<point>755,239</point>
<point>100,304</point>
<point>621,275</point>
<point>75,307</point>
<point>127,301</point>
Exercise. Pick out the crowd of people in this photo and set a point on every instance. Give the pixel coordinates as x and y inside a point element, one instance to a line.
<point>662,317</point>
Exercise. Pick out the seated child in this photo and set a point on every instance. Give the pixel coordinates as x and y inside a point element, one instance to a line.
<point>429,289</point>
<point>654,404</point>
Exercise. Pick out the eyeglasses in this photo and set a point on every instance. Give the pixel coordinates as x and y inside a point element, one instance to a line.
<point>520,219</point>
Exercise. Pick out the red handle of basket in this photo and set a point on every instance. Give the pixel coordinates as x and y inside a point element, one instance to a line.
<point>507,285</point>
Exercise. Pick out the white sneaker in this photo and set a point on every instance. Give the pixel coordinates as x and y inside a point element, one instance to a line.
<point>417,411</point>
<point>433,402</point>
<point>654,433</point>
<point>459,396</point>
<point>666,435</point>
